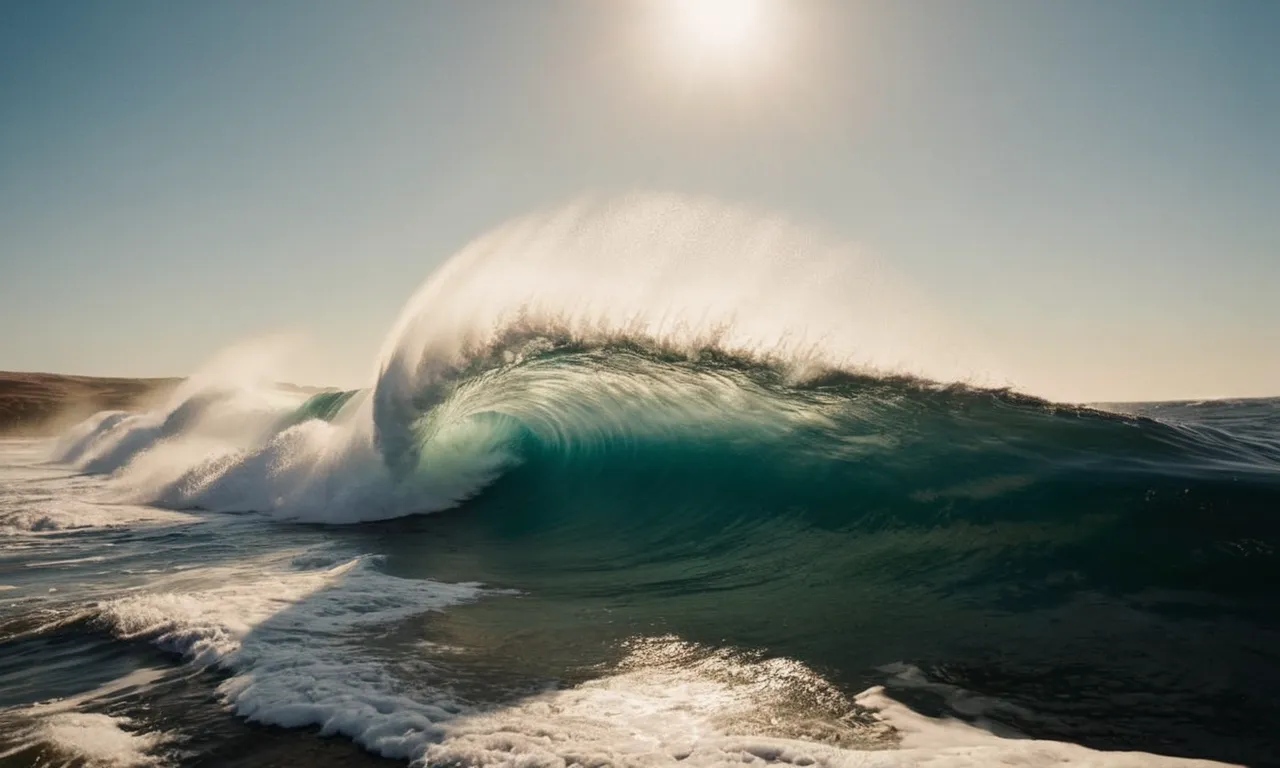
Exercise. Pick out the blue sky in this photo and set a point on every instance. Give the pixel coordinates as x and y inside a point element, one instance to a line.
<point>1091,187</point>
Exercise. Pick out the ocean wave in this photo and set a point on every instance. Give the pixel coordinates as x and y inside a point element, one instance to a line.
<point>677,369</point>
<point>673,275</point>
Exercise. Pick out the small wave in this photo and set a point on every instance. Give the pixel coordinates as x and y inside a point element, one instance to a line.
<point>65,732</point>
<point>68,561</point>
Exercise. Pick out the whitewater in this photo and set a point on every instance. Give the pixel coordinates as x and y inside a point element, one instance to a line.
<point>645,481</point>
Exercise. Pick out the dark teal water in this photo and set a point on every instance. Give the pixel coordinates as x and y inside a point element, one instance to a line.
<point>1112,570</point>
<point>1113,574</point>
<point>1106,577</point>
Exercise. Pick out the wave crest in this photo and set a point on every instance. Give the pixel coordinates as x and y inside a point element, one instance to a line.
<point>615,327</point>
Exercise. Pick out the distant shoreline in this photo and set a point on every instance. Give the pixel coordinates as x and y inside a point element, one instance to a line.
<point>41,404</point>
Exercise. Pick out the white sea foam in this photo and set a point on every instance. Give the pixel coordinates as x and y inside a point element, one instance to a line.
<point>664,709</point>
<point>92,738</point>
<point>44,499</point>
<point>64,562</point>
<point>67,515</point>
<point>291,640</point>
<point>98,738</point>
<point>945,743</point>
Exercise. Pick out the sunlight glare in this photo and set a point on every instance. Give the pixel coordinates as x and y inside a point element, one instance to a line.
<point>723,26</point>
<point>728,34</point>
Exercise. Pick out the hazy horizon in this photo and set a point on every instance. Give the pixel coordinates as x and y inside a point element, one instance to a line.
<point>1091,190</point>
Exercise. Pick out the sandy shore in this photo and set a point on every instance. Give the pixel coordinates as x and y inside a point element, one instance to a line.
<point>44,403</point>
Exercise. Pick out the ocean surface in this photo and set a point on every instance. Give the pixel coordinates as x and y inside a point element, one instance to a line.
<point>580,534</point>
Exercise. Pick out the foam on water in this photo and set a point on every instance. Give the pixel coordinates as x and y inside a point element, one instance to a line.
<point>36,498</point>
<point>675,704</point>
<point>294,643</point>
<point>61,729</point>
<point>71,514</point>
<point>291,640</point>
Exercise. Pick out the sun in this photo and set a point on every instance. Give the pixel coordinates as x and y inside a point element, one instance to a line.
<point>721,27</point>
<point>719,34</point>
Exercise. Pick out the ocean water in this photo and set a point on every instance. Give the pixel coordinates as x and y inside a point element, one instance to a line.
<point>619,511</point>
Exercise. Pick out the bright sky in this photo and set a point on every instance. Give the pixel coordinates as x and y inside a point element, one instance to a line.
<point>1091,187</point>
